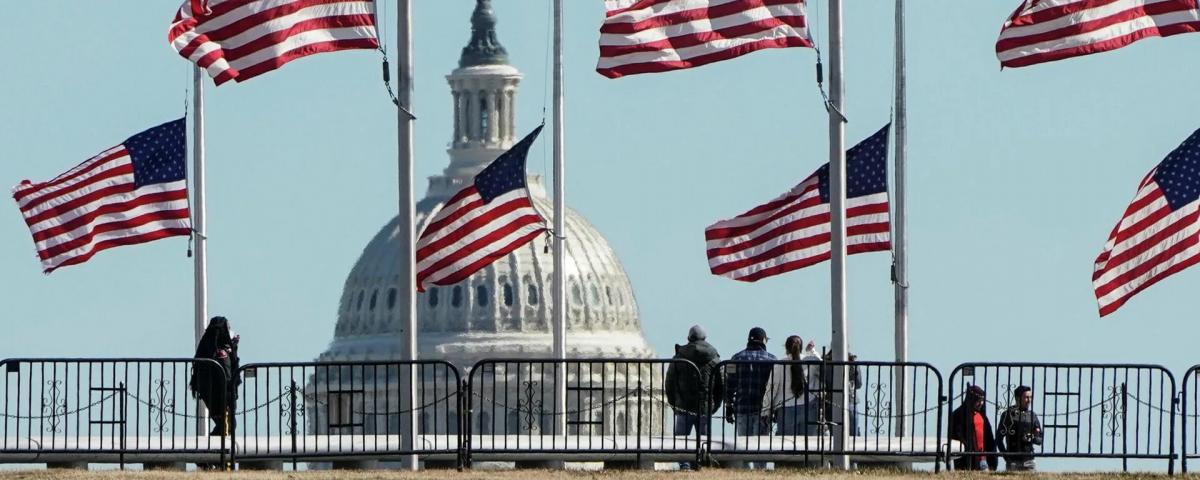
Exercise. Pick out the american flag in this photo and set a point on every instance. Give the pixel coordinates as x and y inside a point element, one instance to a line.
<point>793,231</point>
<point>1159,234</point>
<point>481,223</point>
<point>132,193</point>
<point>645,36</point>
<point>1048,30</point>
<point>241,39</point>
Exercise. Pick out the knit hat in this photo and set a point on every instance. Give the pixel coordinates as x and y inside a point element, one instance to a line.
<point>696,333</point>
<point>757,334</point>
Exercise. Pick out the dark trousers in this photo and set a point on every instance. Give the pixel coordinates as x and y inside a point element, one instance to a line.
<point>223,424</point>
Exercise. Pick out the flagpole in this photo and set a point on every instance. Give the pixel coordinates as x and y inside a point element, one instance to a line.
<point>407,230</point>
<point>900,241</point>
<point>837,186</point>
<point>199,227</point>
<point>560,205</point>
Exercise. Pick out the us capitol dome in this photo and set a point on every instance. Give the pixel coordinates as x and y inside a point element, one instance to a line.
<point>503,310</point>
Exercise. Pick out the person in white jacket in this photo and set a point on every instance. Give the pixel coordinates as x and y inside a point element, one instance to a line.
<point>792,393</point>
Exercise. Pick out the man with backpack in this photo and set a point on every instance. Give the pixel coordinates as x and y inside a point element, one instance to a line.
<point>694,397</point>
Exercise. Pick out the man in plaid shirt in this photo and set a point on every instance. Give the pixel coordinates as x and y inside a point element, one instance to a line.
<point>745,384</point>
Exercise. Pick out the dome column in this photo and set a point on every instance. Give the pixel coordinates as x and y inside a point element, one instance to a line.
<point>473,116</point>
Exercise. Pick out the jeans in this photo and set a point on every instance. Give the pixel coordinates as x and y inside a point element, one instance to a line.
<point>752,425</point>
<point>853,420</point>
<point>798,419</point>
<point>683,427</point>
<point>685,421</point>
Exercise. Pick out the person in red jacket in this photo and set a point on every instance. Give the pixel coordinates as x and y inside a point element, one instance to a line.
<point>970,426</point>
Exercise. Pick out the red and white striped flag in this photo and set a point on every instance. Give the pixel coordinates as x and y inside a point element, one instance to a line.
<point>1159,234</point>
<point>793,231</point>
<point>481,223</point>
<point>241,39</point>
<point>132,193</point>
<point>1048,30</point>
<point>646,36</point>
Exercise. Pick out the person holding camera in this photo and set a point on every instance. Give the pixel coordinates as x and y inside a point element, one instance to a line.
<point>1018,431</point>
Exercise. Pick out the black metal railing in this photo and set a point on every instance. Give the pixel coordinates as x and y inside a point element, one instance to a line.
<point>1092,411</point>
<point>142,410</point>
<point>613,406</point>
<point>106,410</point>
<point>793,408</point>
<point>1189,421</point>
<point>325,410</point>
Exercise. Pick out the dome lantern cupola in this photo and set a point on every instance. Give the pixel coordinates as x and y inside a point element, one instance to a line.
<point>484,48</point>
<point>484,92</point>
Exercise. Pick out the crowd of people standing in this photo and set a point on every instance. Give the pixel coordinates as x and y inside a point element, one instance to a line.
<point>765,395</point>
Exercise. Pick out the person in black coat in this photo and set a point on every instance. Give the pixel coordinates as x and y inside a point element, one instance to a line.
<point>686,391</point>
<point>216,388</point>
<point>969,424</point>
<point>694,397</point>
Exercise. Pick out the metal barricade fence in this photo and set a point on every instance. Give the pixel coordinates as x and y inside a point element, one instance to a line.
<point>615,407</point>
<point>106,411</point>
<point>321,411</point>
<point>789,408</point>
<point>1115,411</point>
<point>1190,418</point>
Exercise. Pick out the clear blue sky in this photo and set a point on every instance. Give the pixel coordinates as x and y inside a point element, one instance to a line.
<point>1016,178</point>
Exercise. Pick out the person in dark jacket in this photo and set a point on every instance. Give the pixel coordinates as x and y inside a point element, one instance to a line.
<point>746,385</point>
<point>1018,430</point>
<point>686,392</point>
<point>970,426</point>
<point>692,397</point>
<point>216,388</point>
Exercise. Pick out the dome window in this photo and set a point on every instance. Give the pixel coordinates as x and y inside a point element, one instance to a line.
<point>595,294</point>
<point>456,297</point>
<point>391,298</point>
<point>481,295</point>
<point>533,294</point>
<point>374,295</point>
<point>433,297</point>
<point>508,295</point>
<point>608,293</point>
<point>576,294</point>
<point>358,305</point>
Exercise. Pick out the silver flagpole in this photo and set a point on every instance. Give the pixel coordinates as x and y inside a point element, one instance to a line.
<point>560,232</point>
<point>837,207</point>
<point>199,226</point>
<point>407,234</point>
<point>900,242</point>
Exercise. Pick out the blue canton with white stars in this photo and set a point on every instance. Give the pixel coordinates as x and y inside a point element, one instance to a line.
<point>159,155</point>
<point>1178,176</point>
<point>507,172</point>
<point>866,167</point>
